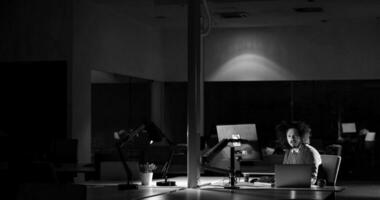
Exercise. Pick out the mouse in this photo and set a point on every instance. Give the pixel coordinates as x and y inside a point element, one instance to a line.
<point>253,180</point>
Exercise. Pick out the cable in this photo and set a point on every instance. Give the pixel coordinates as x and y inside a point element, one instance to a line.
<point>204,34</point>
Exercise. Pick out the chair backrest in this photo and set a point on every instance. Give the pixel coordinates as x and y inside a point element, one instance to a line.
<point>330,167</point>
<point>370,137</point>
<point>369,141</point>
<point>334,149</point>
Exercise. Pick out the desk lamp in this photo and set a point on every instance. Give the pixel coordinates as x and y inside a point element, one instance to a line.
<point>122,138</point>
<point>174,148</point>
<point>207,157</point>
<point>157,135</point>
<point>165,170</point>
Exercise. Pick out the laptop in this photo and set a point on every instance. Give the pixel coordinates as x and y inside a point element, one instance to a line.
<point>292,175</point>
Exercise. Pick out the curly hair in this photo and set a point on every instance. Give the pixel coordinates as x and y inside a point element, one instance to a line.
<point>281,129</point>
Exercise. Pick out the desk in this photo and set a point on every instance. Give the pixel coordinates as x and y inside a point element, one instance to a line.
<point>168,193</point>
<point>223,194</point>
<point>72,169</point>
<point>313,192</point>
<point>181,182</point>
<point>252,186</point>
<point>209,190</point>
<point>112,192</point>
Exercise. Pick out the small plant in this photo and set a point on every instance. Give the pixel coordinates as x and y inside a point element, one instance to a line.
<point>147,167</point>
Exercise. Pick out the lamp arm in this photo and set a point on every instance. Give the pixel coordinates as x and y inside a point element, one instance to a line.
<point>208,155</point>
<point>166,167</point>
<point>126,168</point>
<point>170,142</point>
<point>211,153</point>
<point>215,169</point>
<point>131,135</point>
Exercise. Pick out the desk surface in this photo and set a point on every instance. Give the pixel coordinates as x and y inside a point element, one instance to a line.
<point>74,167</point>
<point>212,182</point>
<point>181,181</point>
<point>253,186</point>
<point>222,194</point>
<point>158,193</point>
<point>209,190</point>
<point>112,192</point>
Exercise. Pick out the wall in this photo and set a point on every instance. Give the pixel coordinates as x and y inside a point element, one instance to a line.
<point>36,39</point>
<point>325,51</point>
<point>340,50</point>
<point>107,40</point>
<point>174,54</point>
<point>36,30</point>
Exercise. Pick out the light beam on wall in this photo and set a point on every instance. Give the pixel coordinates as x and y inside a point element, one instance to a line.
<point>250,67</point>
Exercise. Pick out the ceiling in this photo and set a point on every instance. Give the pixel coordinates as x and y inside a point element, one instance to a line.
<point>249,13</point>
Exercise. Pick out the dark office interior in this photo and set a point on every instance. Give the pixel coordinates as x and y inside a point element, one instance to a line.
<point>75,73</point>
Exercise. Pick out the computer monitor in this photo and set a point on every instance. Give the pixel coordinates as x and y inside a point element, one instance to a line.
<point>370,137</point>
<point>248,132</point>
<point>348,129</point>
<point>249,151</point>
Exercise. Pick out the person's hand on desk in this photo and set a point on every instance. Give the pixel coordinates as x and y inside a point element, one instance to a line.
<point>263,179</point>
<point>254,184</point>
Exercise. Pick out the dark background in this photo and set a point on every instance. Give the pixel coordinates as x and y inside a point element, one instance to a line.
<point>321,104</point>
<point>115,107</point>
<point>34,106</point>
<point>267,103</point>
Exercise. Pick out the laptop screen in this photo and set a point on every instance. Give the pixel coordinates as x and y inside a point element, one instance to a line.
<point>292,175</point>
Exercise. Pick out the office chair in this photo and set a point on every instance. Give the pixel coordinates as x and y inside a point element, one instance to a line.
<point>334,149</point>
<point>369,148</point>
<point>330,167</point>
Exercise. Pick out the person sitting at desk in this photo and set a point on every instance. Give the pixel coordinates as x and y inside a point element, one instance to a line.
<point>298,150</point>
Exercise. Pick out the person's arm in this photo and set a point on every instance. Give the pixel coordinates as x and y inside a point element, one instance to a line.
<point>314,158</point>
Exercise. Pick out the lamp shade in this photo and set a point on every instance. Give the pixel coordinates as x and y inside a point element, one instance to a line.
<point>154,133</point>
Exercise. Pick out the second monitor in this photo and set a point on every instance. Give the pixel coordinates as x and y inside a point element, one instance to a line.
<point>218,157</point>
<point>248,132</point>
